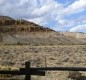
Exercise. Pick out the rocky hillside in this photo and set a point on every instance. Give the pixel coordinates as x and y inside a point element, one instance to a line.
<point>74,34</point>
<point>24,32</point>
<point>8,24</point>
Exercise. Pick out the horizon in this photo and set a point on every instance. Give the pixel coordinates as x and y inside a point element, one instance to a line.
<point>59,15</point>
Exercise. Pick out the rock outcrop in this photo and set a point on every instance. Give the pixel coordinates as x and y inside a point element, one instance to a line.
<point>8,24</point>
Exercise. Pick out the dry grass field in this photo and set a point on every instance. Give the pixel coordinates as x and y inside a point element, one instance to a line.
<point>40,56</point>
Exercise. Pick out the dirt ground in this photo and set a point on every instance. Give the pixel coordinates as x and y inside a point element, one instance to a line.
<point>40,56</point>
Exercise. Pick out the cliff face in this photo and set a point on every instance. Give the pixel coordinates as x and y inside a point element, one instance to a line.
<point>8,24</point>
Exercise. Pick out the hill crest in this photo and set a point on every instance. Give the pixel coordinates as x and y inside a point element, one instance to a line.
<point>8,24</point>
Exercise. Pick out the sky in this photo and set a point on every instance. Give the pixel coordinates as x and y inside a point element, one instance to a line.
<point>59,15</point>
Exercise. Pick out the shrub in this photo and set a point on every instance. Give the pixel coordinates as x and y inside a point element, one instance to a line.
<point>75,75</point>
<point>18,43</point>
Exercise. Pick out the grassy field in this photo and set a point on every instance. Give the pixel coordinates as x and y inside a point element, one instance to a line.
<point>39,56</point>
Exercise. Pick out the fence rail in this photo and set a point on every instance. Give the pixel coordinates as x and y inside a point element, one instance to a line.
<point>28,71</point>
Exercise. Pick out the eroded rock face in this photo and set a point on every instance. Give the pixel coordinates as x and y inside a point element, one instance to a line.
<point>8,24</point>
<point>10,27</point>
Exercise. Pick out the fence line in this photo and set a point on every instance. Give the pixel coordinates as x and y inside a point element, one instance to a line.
<point>28,71</point>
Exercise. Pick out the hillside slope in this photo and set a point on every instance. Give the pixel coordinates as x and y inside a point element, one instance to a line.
<point>24,32</point>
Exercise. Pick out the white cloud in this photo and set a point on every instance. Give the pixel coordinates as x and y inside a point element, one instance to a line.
<point>81,20</point>
<point>76,7</point>
<point>65,22</point>
<point>78,28</point>
<point>18,8</point>
<point>45,9</point>
<point>40,20</point>
<point>30,9</point>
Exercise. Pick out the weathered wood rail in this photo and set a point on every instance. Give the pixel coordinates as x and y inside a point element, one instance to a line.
<point>28,71</point>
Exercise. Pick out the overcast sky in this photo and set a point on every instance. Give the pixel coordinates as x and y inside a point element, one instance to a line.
<point>60,15</point>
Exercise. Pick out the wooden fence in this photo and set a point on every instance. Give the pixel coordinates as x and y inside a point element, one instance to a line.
<point>28,71</point>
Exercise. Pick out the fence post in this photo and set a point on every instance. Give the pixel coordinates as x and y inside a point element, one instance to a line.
<point>27,68</point>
